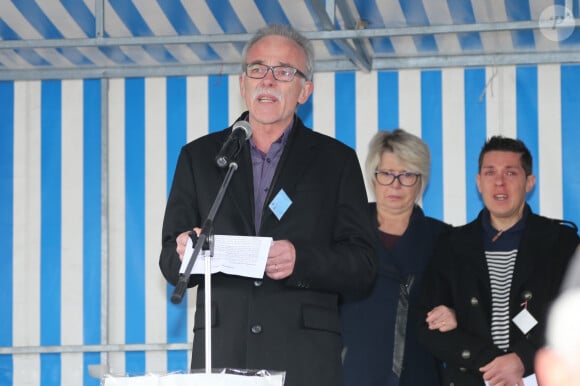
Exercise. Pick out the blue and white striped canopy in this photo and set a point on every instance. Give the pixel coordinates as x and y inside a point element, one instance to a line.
<point>106,38</point>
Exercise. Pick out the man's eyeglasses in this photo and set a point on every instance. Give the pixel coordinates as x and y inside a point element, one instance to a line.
<point>281,73</point>
<point>405,179</point>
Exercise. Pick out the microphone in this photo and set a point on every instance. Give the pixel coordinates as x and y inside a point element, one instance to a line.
<point>241,132</point>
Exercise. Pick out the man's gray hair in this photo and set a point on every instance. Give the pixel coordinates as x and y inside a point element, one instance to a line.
<point>289,33</point>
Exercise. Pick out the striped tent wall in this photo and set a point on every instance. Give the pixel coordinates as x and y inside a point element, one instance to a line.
<point>86,165</point>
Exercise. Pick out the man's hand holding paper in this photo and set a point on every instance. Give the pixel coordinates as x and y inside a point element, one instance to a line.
<point>281,260</point>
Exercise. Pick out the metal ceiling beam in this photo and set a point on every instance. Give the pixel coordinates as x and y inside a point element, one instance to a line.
<point>351,22</point>
<point>121,71</point>
<point>357,59</point>
<point>357,55</point>
<point>477,60</point>
<point>378,64</point>
<point>237,38</point>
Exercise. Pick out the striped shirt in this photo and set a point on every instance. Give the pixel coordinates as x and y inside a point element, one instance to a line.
<point>501,249</point>
<point>501,269</point>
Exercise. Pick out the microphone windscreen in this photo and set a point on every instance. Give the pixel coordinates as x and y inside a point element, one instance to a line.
<point>244,125</point>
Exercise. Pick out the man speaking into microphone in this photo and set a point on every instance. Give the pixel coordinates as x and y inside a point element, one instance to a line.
<point>303,189</point>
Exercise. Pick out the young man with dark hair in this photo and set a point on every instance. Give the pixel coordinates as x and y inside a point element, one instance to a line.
<point>492,281</point>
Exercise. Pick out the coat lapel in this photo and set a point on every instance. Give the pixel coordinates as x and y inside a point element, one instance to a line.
<point>533,246</point>
<point>240,191</point>
<point>470,246</point>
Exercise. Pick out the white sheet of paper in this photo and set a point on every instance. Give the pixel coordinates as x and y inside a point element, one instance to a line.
<point>530,380</point>
<point>196,379</point>
<point>235,255</point>
<point>220,380</point>
<point>145,380</point>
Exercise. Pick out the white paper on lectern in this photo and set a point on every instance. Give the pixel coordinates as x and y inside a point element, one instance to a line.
<point>145,380</point>
<point>530,380</point>
<point>195,380</point>
<point>235,255</point>
<point>220,380</point>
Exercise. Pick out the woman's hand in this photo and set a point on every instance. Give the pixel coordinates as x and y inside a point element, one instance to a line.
<point>441,318</point>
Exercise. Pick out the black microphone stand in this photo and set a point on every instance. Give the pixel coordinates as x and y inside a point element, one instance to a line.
<point>205,237</point>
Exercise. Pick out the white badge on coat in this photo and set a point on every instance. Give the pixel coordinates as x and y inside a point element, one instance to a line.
<point>525,321</point>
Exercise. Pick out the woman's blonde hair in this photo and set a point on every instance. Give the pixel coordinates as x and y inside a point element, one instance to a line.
<point>411,150</point>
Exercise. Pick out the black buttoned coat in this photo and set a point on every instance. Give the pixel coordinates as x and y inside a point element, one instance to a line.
<point>459,278</point>
<point>287,325</point>
<point>369,324</point>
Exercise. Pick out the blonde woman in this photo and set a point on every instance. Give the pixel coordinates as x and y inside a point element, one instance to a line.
<point>379,331</point>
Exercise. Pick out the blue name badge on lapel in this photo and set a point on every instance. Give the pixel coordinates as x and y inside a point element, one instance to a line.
<point>280,204</point>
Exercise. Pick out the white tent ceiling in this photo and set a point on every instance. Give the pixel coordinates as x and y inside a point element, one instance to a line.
<point>61,39</point>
